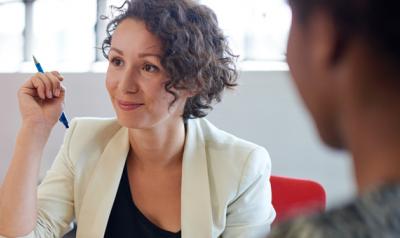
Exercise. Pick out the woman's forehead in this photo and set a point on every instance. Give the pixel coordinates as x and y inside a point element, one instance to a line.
<point>131,33</point>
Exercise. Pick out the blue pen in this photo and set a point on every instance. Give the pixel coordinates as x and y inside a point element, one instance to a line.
<point>63,118</point>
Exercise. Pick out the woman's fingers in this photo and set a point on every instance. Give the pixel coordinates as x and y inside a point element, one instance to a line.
<point>39,85</point>
<point>48,85</point>
<point>55,82</point>
<point>59,76</point>
<point>41,98</point>
<point>33,92</point>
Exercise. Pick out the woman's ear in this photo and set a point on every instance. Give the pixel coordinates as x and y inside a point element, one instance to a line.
<point>191,93</point>
<point>188,93</point>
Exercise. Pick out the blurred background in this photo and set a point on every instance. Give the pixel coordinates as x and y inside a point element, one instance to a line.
<point>65,35</point>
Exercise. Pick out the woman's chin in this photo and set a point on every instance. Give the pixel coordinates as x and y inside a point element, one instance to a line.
<point>131,123</point>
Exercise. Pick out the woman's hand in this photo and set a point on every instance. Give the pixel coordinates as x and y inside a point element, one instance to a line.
<point>41,99</point>
<point>40,102</point>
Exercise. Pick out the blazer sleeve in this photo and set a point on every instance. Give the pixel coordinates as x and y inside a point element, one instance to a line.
<point>250,215</point>
<point>56,195</point>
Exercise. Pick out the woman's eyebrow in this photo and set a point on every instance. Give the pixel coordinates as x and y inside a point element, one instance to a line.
<point>153,53</point>
<point>117,50</point>
<point>142,55</point>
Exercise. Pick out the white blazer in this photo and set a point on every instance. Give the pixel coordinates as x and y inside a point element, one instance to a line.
<point>225,182</point>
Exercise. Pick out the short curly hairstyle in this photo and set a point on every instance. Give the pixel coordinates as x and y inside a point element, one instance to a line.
<point>196,54</point>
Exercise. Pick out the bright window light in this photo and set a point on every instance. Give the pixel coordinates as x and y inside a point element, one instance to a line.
<point>12,20</point>
<point>256,29</point>
<point>64,33</point>
<point>116,3</point>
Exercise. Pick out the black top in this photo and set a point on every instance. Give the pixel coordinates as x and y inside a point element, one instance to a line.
<point>127,221</point>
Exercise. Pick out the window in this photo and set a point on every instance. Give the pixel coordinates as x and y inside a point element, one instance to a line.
<point>257,29</point>
<point>116,3</point>
<point>12,21</point>
<point>60,33</point>
<point>104,9</point>
<point>65,34</point>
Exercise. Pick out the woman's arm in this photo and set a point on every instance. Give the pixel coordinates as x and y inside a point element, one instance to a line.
<point>40,103</point>
<point>18,192</point>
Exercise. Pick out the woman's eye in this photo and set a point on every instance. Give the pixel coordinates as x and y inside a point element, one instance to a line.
<point>116,61</point>
<point>150,68</point>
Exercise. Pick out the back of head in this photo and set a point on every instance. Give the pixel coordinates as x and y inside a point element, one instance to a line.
<point>375,21</point>
<point>346,54</point>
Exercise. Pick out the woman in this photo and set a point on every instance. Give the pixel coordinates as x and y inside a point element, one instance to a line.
<point>344,56</point>
<point>158,169</point>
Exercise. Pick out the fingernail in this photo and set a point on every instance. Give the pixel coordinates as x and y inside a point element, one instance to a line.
<point>57,92</point>
<point>49,95</point>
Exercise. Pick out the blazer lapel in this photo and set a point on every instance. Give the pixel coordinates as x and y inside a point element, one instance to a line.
<point>196,213</point>
<point>102,188</point>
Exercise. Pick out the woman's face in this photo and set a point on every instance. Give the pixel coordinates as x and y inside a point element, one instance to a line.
<point>135,78</point>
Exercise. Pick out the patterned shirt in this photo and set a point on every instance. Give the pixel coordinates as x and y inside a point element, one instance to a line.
<point>374,215</point>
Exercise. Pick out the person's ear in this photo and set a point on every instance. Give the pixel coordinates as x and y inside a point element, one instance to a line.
<point>186,93</point>
<point>190,93</point>
<point>327,43</point>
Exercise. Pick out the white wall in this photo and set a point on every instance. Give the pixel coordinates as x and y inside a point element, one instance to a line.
<point>265,109</point>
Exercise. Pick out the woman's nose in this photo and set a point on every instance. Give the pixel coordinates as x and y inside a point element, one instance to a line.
<point>129,83</point>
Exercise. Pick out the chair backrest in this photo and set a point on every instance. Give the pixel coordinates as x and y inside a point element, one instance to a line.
<point>292,197</point>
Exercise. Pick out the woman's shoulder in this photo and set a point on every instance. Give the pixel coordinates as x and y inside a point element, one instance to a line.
<point>218,139</point>
<point>225,149</point>
<point>95,125</point>
<point>233,163</point>
<point>90,134</point>
<point>94,122</point>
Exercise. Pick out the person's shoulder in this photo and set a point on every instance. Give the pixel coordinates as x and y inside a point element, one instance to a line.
<point>342,222</point>
<point>88,133</point>
<point>83,126</point>
<point>229,151</point>
<point>370,215</point>
<point>303,227</point>
<point>219,139</point>
<point>94,122</point>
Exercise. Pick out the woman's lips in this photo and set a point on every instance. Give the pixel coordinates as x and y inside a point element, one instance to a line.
<point>128,106</point>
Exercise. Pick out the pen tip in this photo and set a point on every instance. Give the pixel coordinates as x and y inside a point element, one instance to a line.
<point>34,59</point>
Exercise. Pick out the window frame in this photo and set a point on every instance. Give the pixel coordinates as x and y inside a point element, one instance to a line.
<point>99,63</point>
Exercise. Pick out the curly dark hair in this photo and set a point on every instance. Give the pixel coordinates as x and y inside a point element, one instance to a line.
<point>196,54</point>
<point>376,21</point>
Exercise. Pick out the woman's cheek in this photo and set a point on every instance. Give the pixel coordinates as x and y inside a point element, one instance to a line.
<point>111,84</point>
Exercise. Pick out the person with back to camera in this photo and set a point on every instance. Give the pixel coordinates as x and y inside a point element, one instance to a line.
<point>344,56</point>
<point>159,169</point>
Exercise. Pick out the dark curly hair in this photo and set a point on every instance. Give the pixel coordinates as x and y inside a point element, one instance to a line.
<point>196,54</point>
<point>376,21</point>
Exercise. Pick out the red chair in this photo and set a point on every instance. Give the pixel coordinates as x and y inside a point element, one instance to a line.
<point>292,197</point>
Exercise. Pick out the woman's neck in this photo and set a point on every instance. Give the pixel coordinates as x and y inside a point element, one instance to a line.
<point>159,147</point>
